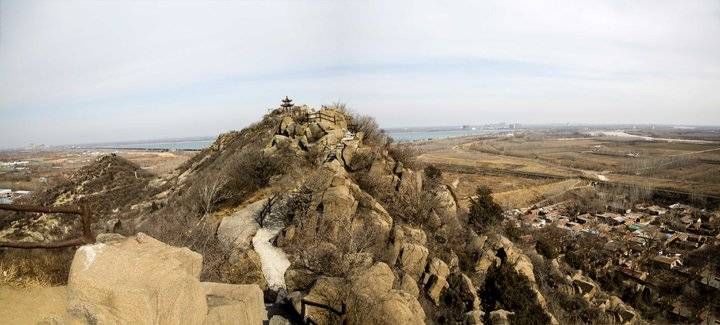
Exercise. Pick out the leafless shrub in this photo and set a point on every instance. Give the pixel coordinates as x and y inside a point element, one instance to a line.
<point>405,154</point>
<point>363,159</point>
<point>410,205</point>
<point>340,106</point>
<point>251,170</point>
<point>210,192</point>
<point>267,209</point>
<point>373,135</point>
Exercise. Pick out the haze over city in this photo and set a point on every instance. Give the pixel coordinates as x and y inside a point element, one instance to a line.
<point>91,71</point>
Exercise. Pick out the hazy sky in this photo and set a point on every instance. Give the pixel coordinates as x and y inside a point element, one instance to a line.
<point>91,71</point>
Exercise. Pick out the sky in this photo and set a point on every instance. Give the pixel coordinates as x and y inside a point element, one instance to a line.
<point>99,71</point>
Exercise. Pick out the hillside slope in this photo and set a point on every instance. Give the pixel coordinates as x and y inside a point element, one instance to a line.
<point>319,206</point>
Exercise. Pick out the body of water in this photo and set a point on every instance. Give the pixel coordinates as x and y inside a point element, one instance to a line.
<point>405,135</point>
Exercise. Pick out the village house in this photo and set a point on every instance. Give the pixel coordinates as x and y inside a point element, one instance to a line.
<point>636,275</point>
<point>611,218</point>
<point>667,262</point>
<point>656,210</point>
<point>583,218</point>
<point>5,196</point>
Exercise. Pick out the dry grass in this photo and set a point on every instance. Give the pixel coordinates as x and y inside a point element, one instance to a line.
<point>30,268</point>
<point>528,196</point>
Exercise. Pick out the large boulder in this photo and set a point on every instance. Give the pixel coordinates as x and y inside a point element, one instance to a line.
<point>412,259</point>
<point>246,268</point>
<point>234,304</point>
<point>137,280</point>
<point>498,250</point>
<point>237,230</point>
<point>373,301</point>
<point>445,203</point>
<point>287,126</point>
<point>435,280</point>
<point>140,280</point>
<point>500,317</point>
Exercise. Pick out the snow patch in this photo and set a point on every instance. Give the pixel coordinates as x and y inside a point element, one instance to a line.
<point>273,259</point>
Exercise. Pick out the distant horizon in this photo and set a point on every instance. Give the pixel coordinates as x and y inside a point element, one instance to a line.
<point>434,128</point>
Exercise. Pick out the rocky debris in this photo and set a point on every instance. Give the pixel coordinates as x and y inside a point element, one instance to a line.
<point>408,180</point>
<point>500,317</point>
<point>474,317</point>
<point>412,259</point>
<point>435,279</point>
<point>279,320</point>
<point>248,265</point>
<point>140,280</point>
<point>461,283</point>
<point>446,205</point>
<point>375,302</point>
<point>367,296</point>
<point>497,250</point>
<point>298,279</point>
<point>409,285</point>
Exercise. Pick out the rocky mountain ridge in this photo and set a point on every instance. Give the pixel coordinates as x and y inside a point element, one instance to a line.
<point>367,238</point>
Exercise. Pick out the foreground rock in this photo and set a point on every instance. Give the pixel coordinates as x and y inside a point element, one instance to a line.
<point>140,280</point>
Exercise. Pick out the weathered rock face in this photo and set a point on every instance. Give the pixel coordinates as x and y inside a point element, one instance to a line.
<point>140,280</point>
<point>435,280</point>
<point>137,281</point>
<point>445,203</point>
<point>500,317</point>
<point>373,300</point>
<point>234,304</point>
<point>412,259</point>
<point>497,250</point>
<point>236,231</point>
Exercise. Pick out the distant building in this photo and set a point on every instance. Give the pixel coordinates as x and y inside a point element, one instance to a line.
<point>611,218</point>
<point>667,261</point>
<point>5,196</point>
<point>287,104</point>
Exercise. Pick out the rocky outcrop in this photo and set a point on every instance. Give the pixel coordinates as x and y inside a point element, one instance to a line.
<point>140,280</point>
<point>412,259</point>
<point>500,317</point>
<point>435,279</point>
<point>497,250</point>
<point>234,304</point>
<point>237,230</point>
<point>373,301</point>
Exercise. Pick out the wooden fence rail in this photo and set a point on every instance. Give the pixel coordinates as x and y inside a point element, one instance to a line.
<point>85,222</point>
<point>321,116</point>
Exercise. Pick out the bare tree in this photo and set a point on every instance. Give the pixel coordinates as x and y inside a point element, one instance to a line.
<point>267,209</point>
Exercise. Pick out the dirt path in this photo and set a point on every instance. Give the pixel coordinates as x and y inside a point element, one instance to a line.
<point>694,152</point>
<point>31,305</point>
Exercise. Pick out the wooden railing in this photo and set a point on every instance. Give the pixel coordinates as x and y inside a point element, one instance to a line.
<point>85,222</point>
<point>319,116</point>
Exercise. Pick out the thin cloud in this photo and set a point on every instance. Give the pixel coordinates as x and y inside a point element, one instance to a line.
<point>103,65</point>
